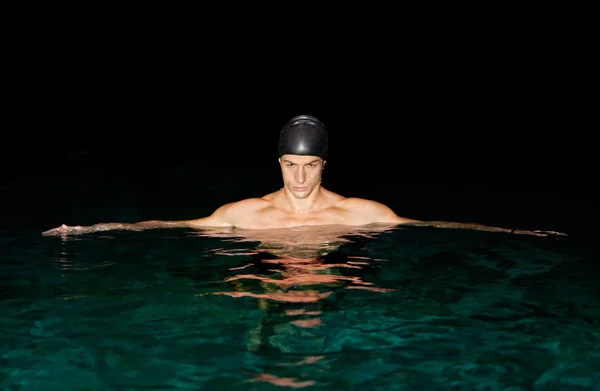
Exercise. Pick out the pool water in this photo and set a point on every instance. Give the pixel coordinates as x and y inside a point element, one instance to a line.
<point>410,308</point>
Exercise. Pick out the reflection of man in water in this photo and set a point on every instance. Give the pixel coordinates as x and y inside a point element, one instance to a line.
<point>289,262</point>
<point>302,201</point>
<point>291,272</point>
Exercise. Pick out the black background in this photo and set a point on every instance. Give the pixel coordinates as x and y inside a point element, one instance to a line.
<point>467,116</point>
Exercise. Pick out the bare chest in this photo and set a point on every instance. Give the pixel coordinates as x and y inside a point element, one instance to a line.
<point>273,218</point>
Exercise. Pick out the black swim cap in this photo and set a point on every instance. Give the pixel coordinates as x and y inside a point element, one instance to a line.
<point>303,135</point>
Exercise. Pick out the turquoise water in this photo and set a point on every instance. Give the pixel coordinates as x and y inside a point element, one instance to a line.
<point>400,310</point>
<point>404,309</point>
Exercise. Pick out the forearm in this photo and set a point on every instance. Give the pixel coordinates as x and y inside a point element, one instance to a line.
<point>481,227</point>
<point>142,225</point>
<point>109,227</point>
<point>78,230</point>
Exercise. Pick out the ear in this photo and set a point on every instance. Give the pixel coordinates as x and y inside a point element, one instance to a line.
<point>279,160</point>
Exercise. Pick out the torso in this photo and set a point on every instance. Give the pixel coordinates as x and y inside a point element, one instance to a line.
<point>268,212</point>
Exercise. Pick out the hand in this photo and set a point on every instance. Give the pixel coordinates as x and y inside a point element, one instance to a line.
<point>64,230</point>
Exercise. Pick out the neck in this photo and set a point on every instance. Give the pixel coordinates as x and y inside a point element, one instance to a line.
<point>305,205</point>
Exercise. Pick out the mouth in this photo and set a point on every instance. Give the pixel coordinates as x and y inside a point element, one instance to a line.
<point>300,188</point>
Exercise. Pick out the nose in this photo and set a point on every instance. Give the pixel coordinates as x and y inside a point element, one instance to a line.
<point>300,176</point>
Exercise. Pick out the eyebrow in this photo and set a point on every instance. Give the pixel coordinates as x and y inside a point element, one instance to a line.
<point>289,161</point>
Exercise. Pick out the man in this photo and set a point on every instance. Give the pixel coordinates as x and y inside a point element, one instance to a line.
<point>302,201</point>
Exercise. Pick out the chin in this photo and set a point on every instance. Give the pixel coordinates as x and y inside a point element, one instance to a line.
<point>300,194</point>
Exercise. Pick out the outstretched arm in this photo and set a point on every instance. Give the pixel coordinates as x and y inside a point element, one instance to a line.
<point>217,220</point>
<point>79,230</point>
<point>481,227</point>
<point>372,211</point>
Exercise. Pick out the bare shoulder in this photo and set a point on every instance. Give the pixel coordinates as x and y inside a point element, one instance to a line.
<point>355,202</point>
<point>229,215</point>
<point>244,207</point>
<point>364,211</point>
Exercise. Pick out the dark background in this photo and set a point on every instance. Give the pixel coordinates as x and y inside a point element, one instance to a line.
<point>468,125</point>
<point>464,126</point>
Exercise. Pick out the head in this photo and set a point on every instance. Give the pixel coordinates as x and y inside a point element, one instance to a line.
<point>303,147</point>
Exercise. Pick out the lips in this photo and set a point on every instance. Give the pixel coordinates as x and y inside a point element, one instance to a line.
<point>300,188</point>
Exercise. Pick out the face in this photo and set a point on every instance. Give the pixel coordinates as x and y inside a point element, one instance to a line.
<point>301,174</point>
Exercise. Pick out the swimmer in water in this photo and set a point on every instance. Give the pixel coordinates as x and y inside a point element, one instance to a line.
<point>302,201</point>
